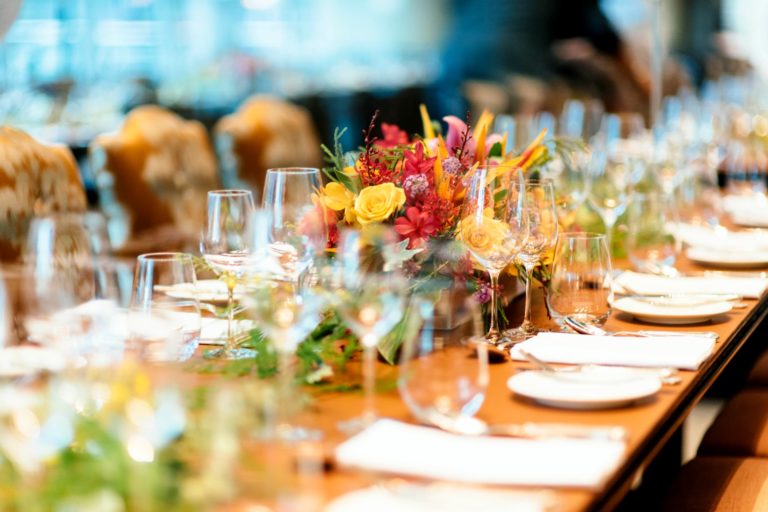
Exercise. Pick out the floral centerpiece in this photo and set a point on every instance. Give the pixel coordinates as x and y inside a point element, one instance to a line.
<point>417,184</point>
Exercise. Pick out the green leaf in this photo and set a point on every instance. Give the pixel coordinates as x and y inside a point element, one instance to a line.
<point>495,150</point>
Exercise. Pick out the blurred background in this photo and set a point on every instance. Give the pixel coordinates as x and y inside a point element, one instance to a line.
<point>71,69</point>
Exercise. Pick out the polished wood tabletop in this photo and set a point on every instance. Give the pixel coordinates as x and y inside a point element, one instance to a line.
<point>649,424</point>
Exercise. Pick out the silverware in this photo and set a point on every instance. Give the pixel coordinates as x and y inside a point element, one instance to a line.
<point>665,374</point>
<point>585,328</point>
<point>467,425</point>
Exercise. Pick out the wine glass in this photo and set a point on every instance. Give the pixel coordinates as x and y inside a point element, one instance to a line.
<point>609,190</point>
<point>72,297</point>
<point>493,227</point>
<point>580,286</point>
<point>650,242</point>
<point>285,316</point>
<point>538,208</point>
<point>227,248</point>
<point>163,326</point>
<point>443,370</point>
<point>298,232</point>
<point>370,299</point>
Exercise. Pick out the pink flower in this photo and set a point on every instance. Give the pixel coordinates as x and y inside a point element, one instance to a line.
<point>416,226</point>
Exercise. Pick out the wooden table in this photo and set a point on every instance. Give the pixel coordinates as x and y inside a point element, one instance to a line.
<point>649,425</point>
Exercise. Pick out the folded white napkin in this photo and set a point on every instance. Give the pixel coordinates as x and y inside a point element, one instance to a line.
<point>747,210</point>
<point>650,284</point>
<point>444,497</point>
<point>720,237</point>
<point>684,352</point>
<point>394,447</point>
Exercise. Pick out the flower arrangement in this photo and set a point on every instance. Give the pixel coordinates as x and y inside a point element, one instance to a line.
<point>415,183</point>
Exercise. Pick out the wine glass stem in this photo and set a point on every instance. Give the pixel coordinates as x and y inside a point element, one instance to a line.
<point>286,377</point>
<point>527,322</point>
<point>493,328</point>
<point>610,222</point>
<point>230,315</point>
<point>369,381</point>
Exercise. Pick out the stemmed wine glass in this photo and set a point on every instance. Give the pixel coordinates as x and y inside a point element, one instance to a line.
<point>538,208</point>
<point>493,227</point>
<point>227,248</point>
<point>609,190</point>
<point>298,230</point>
<point>370,298</point>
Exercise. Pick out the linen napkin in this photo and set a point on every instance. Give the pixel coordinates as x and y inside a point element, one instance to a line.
<point>445,497</point>
<point>651,284</point>
<point>683,352</point>
<point>394,447</point>
<point>721,238</point>
<point>747,210</point>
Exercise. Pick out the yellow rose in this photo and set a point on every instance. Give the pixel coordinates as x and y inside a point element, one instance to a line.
<point>378,203</point>
<point>337,197</point>
<point>483,236</point>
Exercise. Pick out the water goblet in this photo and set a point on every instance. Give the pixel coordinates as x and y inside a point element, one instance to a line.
<point>227,247</point>
<point>493,227</point>
<point>580,286</point>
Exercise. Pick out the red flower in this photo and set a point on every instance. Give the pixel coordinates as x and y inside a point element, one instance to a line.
<point>416,226</point>
<point>416,163</point>
<point>393,136</point>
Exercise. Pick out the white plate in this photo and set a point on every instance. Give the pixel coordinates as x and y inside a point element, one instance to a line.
<point>596,387</point>
<point>672,310</point>
<point>205,290</point>
<point>20,361</point>
<point>728,259</point>
<point>757,219</point>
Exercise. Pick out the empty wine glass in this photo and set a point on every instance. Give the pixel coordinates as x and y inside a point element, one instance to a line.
<point>163,326</point>
<point>227,247</point>
<point>298,232</point>
<point>493,227</point>
<point>580,286</point>
<point>443,370</point>
<point>538,208</point>
<point>650,242</point>
<point>370,299</point>
<point>609,190</point>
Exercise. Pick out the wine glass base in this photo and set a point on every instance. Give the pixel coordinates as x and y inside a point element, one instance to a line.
<point>356,425</point>
<point>518,334</point>
<point>231,355</point>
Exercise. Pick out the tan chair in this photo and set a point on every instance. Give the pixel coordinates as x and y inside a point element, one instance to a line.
<point>35,180</point>
<point>719,484</point>
<point>153,177</point>
<point>264,133</point>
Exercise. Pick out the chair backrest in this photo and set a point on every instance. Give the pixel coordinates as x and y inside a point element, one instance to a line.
<point>156,171</point>
<point>264,133</point>
<point>35,180</point>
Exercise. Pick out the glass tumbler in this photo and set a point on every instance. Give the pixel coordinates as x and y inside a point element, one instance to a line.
<point>164,325</point>
<point>580,286</point>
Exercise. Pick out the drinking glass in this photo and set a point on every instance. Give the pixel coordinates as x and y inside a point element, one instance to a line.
<point>370,299</point>
<point>609,189</point>
<point>298,232</point>
<point>72,294</point>
<point>580,286</point>
<point>443,370</point>
<point>227,248</point>
<point>163,326</point>
<point>493,227</point>
<point>650,242</point>
<point>286,316</point>
<point>538,208</point>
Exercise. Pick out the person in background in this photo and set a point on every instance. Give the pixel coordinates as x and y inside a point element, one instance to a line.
<point>524,56</point>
